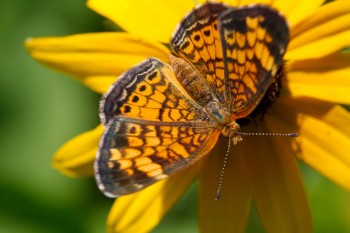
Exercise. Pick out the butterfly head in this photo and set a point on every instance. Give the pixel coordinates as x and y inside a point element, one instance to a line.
<point>231,131</point>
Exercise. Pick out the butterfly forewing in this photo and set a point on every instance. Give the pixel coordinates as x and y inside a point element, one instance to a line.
<point>197,41</point>
<point>149,91</point>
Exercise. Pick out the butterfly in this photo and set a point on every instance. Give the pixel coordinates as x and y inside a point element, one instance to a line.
<point>160,118</point>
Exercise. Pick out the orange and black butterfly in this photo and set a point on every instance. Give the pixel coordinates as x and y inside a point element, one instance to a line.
<point>161,118</point>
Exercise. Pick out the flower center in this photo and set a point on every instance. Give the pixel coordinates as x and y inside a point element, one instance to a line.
<point>269,98</point>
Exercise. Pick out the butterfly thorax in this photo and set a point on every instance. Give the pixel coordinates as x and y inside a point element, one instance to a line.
<point>221,115</point>
<point>230,130</point>
<point>217,111</point>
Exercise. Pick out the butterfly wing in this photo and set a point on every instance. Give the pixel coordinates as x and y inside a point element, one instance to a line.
<point>236,51</point>
<point>149,91</point>
<point>254,40</point>
<point>197,41</point>
<point>136,153</point>
<point>152,129</point>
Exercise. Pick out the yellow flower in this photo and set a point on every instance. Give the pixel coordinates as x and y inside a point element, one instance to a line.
<point>262,170</point>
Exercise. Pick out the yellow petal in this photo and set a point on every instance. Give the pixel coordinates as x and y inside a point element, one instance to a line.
<point>296,11</point>
<point>332,62</point>
<point>230,212</point>
<point>152,19</point>
<point>275,183</point>
<point>99,84</point>
<point>331,27</point>
<point>143,210</point>
<point>320,47</point>
<point>247,2</point>
<point>94,54</point>
<point>234,2</point>
<point>328,12</point>
<point>324,32</point>
<point>76,157</point>
<point>324,140</point>
<point>325,79</point>
<point>285,7</point>
<point>303,10</point>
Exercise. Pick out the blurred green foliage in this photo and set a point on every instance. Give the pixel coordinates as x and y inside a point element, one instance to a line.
<point>42,109</point>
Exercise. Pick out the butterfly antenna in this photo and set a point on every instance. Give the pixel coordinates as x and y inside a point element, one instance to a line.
<point>269,134</point>
<point>218,192</point>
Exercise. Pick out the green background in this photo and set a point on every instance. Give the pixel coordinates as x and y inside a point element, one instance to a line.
<point>42,109</point>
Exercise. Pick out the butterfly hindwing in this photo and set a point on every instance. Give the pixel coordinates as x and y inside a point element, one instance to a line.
<point>254,40</point>
<point>135,153</point>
